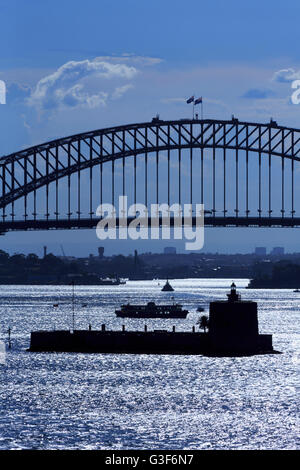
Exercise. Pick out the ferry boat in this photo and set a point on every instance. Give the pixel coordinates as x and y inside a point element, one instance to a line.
<point>151,310</point>
<point>108,281</point>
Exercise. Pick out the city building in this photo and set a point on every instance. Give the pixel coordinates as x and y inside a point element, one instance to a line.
<point>101,251</point>
<point>277,251</point>
<point>260,251</point>
<point>170,250</point>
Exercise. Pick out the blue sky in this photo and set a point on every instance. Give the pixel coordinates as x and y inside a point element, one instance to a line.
<point>122,61</point>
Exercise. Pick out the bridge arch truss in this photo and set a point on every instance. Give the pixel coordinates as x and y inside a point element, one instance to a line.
<point>245,174</point>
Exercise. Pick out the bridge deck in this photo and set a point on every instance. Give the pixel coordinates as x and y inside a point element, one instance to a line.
<point>91,223</point>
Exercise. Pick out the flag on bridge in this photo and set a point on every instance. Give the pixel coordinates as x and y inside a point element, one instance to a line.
<point>198,100</point>
<point>190,100</point>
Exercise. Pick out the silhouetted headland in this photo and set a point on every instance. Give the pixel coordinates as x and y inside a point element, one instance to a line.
<point>281,275</point>
<point>100,270</point>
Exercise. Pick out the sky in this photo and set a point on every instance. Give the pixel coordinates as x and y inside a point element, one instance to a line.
<point>71,66</point>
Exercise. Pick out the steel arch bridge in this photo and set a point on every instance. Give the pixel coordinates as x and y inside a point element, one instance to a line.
<point>244,173</point>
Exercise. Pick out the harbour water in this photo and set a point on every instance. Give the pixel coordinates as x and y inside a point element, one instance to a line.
<point>98,401</point>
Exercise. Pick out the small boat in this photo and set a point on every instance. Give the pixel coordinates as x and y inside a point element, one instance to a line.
<point>151,310</point>
<point>200,309</point>
<point>167,287</point>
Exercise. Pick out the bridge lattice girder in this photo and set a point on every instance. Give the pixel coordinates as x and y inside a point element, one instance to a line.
<point>23,172</point>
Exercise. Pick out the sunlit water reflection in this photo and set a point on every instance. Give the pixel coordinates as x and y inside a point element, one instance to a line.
<point>97,401</point>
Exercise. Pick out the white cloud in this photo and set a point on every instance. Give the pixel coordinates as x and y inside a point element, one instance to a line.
<point>25,122</point>
<point>174,100</point>
<point>286,75</point>
<point>68,86</point>
<point>76,96</point>
<point>132,58</point>
<point>119,91</point>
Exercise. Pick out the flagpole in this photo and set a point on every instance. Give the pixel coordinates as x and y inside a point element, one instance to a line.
<point>194,106</point>
<point>192,100</point>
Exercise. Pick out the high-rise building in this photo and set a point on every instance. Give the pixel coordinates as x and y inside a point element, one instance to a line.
<point>170,250</point>
<point>260,251</point>
<point>277,251</point>
<point>100,251</point>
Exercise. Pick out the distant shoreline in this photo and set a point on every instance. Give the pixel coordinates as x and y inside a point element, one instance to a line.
<point>270,284</point>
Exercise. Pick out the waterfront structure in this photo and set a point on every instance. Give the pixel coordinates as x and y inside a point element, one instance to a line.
<point>233,331</point>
